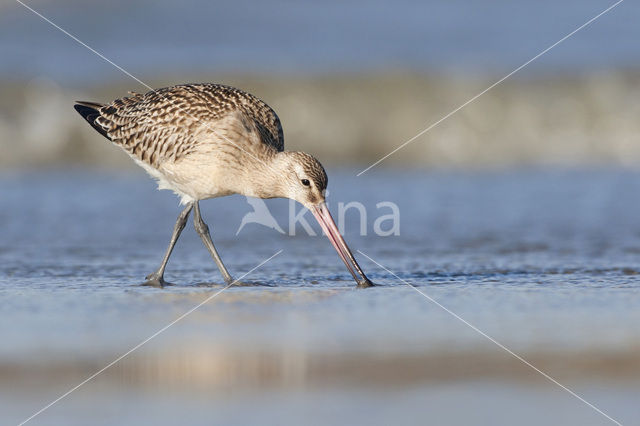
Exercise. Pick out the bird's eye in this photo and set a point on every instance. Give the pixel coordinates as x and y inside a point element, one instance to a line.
<point>305,182</point>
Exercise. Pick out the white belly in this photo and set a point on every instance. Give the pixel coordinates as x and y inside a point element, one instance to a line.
<point>194,178</point>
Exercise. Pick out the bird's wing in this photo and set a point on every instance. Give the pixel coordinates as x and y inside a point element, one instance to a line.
<point>168,124</point>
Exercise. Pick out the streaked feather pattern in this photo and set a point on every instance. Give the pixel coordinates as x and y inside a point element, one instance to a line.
<point>170,123</point>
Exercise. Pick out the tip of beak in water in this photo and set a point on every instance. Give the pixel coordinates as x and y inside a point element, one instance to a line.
<point>366,283</point>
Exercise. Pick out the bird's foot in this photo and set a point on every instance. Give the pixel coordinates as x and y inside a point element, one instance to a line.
<point>155,280</point>
<point>365,283</point>
<point>229,282</point>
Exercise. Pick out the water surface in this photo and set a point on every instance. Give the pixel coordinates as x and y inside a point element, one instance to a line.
<point>546,262</point>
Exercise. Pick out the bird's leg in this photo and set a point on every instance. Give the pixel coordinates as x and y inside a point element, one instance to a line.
<point>157,278</point>
<point>203,230</point>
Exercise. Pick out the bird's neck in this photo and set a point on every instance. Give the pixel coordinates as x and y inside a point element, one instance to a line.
<point>267,176</point>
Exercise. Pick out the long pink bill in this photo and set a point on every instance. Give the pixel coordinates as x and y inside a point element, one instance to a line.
<point>323,216</point>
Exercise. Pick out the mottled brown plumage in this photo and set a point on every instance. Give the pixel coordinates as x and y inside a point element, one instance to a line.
<point>209,140</point>
<point>165,124</point>
<point>201,140</point>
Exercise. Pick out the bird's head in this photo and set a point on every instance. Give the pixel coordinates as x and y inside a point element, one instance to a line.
<point>303,179</point>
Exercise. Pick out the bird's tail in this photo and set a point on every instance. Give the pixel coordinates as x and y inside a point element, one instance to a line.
<point>90,111</point>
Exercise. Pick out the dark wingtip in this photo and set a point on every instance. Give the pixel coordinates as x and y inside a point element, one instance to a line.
<point>90,112</point>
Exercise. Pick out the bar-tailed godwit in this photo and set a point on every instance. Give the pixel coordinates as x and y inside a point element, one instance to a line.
<point>208,140</point>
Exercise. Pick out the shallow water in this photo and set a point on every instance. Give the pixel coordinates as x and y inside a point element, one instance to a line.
<point>546,262</point>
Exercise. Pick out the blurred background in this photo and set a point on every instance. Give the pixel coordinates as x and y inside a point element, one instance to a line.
<point>350,80</point>
<point>519,213</point>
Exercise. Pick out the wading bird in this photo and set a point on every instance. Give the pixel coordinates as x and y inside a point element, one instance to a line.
<point>208,140</point>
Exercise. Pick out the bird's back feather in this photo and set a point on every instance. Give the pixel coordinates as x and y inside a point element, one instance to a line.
<point>170,123</point>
